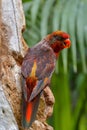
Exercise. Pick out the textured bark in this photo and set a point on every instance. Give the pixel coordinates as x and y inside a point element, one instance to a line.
<point>12,50</point>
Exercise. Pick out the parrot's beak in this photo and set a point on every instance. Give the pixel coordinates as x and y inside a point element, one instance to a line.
<point>67,43</point>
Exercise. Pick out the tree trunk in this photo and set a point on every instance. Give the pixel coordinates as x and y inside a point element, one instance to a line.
<point>12,50</point>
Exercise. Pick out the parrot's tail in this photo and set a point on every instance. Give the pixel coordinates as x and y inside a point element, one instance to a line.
<point>29,111</point>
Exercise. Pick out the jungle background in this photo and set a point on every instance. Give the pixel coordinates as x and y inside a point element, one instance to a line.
<point>69,81</point>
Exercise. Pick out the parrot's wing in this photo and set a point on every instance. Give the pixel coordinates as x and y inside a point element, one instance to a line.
<point>41,84</point>
<point>35,83</point>
<point>45,81</point>
<point>37,69</point>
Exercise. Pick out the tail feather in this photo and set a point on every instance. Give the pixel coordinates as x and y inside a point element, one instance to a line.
<point>29,111</point>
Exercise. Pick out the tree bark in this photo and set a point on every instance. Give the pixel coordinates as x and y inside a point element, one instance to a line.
<point>12,51</point>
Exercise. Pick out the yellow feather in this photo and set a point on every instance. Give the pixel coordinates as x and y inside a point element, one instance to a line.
<point>45,80</point>
<point>33,71</point>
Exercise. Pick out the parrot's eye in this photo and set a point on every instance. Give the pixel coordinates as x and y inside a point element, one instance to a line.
<point>59,38</point>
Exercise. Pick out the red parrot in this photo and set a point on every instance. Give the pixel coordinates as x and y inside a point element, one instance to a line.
<point>37,68</point>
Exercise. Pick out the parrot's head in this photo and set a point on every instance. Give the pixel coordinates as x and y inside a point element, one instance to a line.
<point>59,40</point>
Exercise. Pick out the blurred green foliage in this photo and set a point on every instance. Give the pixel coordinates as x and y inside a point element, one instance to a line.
<point>69,82</point>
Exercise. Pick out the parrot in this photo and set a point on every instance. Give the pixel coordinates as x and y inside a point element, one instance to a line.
<point>37,68</point>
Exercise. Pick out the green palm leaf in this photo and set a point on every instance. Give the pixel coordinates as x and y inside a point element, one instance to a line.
<point>80,34</point>
<point>45,17</point>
